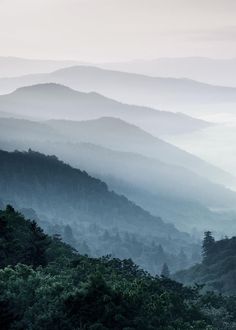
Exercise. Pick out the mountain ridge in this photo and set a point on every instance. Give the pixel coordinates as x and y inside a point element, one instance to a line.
<point>172,94</point>
<point>149,182</point>
<point>56,101</point>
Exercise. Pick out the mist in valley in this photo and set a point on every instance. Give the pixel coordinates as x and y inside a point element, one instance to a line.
<point>118,139</point>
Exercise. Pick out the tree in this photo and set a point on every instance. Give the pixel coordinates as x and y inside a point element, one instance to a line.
<point>9,209</point>
<point>39,244</point>
<point>68,235</point>
<point>165,271</point>
<point>207,245</point>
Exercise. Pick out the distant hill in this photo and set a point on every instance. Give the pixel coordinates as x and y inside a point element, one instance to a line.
<point>53,101</point>
<point>174,94</point>
<point>148,181</point>
<point>218,269</point>
<point>119,135</point>
<point>60,191</point>
<point>208,70</point>
<point>113,134</point>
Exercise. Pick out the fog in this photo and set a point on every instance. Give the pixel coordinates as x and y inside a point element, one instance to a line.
<point>215,144</point>
<point>162,179</point>
<point>138,98</point>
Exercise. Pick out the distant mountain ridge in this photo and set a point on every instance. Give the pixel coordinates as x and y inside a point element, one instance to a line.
<point>209,70</point>
<point>114,134</point>
<point>161,93</point>
<point>54,101</point>
<point>119,135</point>
<point>174,192</point>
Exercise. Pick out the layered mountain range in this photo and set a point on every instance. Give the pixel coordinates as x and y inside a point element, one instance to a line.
<point>57,101</point>
<point>159,177</point>
<point>160,93</point>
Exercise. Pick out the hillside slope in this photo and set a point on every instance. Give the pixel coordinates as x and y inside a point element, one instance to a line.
<point>161,93</point>
<point>119,135</point>
<point>213,71</point>
<point>62,192</point>
<point>63,196</point>
<point>54,101</point>
<point>70,291</point>
<point>218,269</point>
<point>149,182</point>
<point>105,147</point>
<point>114,134</point>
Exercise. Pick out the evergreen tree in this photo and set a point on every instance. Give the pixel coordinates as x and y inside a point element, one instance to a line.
<point>207,245</point>
<point>68,235</point>
<point>39,244</point>
<point>9,209</point>
<point>77,292</point>
<point>165,271</point>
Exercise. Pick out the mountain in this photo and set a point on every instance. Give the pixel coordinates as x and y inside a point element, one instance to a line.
<point>89,216</point>
<point>62,192</point>
<point>218,268</point>
<point>174,94</point>
<point>96,241</point>
<point>208,70</point>
<point>149,182</point>
<point>118,135</point>
<point>57,101</point>
<point>47,284</point>
<point>113,134</point>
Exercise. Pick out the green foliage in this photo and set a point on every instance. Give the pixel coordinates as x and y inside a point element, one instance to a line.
<point>72,200</point>
<point>218,269</point>
<point>147,251</point>
<point>165,271</point>
<point>23,241</point>
<point>54,287</point>
<point>207,246</point>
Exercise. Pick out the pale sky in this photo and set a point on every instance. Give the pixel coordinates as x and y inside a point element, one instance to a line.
<point>117,30</point>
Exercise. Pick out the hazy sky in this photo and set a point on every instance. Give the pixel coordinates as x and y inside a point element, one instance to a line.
<point>101,30</point>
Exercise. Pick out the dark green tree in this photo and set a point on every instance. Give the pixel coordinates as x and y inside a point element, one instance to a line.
<point>38,247</point>
<point>207,246</point>
<point>68,236</point>
<point>165,271</point>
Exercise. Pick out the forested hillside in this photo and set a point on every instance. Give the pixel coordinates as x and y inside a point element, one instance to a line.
<point>218,268</point>
<point>81,209</point>
<point>110,149</point>
<point>50,186</point>
<point>45,284</point>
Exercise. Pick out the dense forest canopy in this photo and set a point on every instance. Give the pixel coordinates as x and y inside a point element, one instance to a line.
<point>45,284</point>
